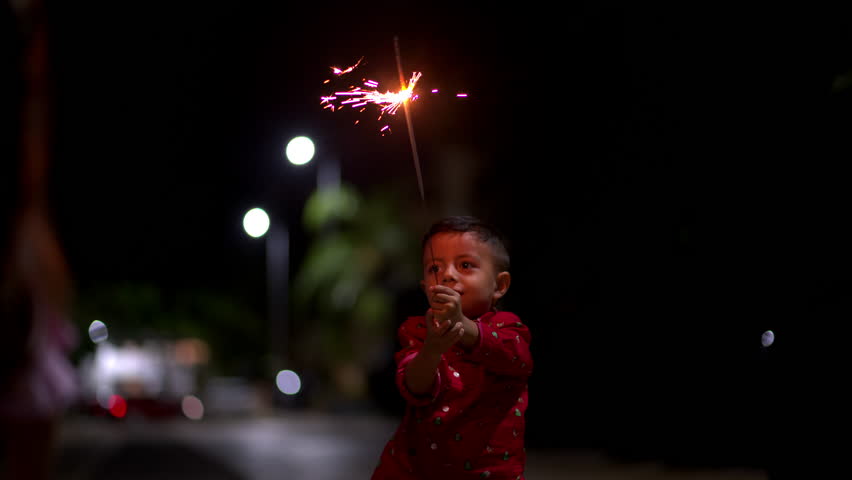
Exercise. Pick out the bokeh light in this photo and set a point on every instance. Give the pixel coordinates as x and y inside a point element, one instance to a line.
<point>768,338</point>
<point>117,406</point>
<point>104,396</point>
<point>300,150</point>
<point>256,222</point>
<point>288,382</point>
<point>192,407</point>
<point>98,331</point>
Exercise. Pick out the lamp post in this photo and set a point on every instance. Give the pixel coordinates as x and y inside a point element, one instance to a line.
<point>277,291</point>
<point>301,150</point>
<point>257,224</point>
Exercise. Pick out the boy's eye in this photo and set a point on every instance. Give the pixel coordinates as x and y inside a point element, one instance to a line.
<point>466,265</point>
<point>432,269</point>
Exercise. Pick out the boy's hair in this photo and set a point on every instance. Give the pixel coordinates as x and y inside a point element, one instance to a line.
<point>486,233</point>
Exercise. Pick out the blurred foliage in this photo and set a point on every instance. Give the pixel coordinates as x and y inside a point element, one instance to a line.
<point>363,252</point>
<point>842,82</point>
<point>138,311</point>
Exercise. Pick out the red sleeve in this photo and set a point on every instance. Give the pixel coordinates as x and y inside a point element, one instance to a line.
<point>411,335</point>
<point>503,346</point>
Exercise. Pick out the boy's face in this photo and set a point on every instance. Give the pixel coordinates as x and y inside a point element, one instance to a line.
<point>465,264</point>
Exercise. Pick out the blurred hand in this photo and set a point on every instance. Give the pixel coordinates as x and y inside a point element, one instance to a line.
<point>441,334</point>
<point>446,304</point>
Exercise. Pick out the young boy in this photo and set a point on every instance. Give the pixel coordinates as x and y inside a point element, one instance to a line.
<point>463,367</point>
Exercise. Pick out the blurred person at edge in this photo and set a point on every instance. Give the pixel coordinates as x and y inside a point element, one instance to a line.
<point>37,379</point>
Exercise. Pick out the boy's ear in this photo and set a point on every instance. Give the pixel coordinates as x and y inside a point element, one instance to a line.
<point>503,281</point>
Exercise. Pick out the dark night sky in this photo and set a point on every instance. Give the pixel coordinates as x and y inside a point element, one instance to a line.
<point>669,178</point>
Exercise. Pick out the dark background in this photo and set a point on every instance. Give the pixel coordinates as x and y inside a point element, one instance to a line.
<point>669,178</point>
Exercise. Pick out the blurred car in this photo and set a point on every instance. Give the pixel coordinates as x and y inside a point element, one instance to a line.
<point>154,378</point>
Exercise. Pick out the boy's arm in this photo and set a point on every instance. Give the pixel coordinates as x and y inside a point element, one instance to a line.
<point>500,344</point>
<point>419,373</point>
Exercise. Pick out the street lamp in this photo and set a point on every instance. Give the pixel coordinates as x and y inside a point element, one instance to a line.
<point>300,150</point>
<point>257,224</point>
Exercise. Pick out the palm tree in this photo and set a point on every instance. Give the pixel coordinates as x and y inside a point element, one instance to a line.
<point>363,254</point>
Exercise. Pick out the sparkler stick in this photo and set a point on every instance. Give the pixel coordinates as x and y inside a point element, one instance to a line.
<point>409,124</point>
<point>390,102</point>
<point>413,143</point>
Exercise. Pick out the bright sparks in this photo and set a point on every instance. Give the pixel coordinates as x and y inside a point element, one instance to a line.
<point>359,97</point>
<point>362,96</point>
<point>339,72</point>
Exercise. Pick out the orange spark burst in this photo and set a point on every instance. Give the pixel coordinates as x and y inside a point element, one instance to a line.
<point>339,72</point>
<point>357,97</point>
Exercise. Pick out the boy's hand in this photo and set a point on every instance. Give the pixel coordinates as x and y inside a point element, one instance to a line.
<point>441,335</point>
<point>445,303</point>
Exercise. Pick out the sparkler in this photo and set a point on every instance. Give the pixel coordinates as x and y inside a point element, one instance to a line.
<point>411,129</point>
<point>338,71</point>
<point>388,102</point>
<point>413,145</point>
<point>359,97</point>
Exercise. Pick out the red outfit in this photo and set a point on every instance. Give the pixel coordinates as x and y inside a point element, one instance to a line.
<point>472,424</point>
